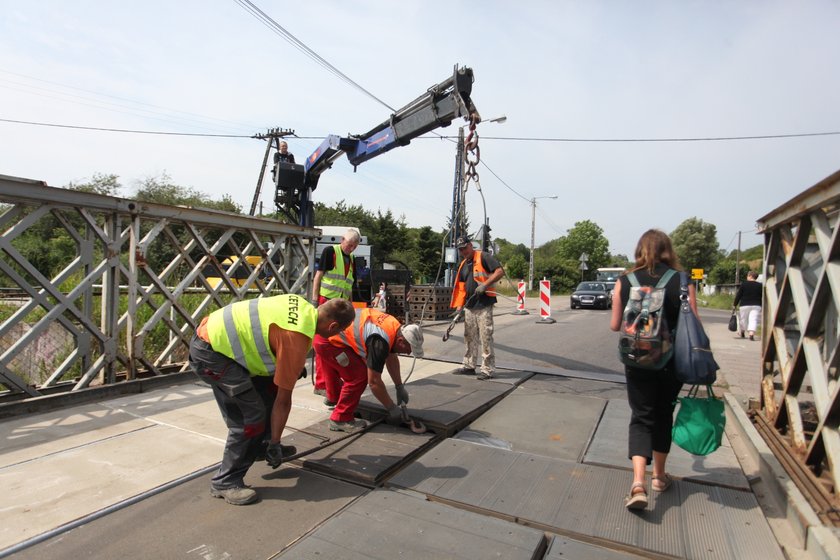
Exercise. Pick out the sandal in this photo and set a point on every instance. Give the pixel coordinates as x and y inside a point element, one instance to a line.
<point>661,483</point>
<point>637,500</point>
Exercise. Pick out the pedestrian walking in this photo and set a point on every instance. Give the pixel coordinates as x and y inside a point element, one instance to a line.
<point>651,393</point>
<point>748,297</point>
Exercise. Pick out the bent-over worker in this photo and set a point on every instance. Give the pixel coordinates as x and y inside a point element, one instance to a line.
<point>236,350</point>
<point>355,358</point>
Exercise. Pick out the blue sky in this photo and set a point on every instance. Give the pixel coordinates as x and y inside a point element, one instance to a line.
<point>572,70</point>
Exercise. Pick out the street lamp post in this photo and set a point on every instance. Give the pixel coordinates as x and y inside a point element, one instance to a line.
<point>533,220</point>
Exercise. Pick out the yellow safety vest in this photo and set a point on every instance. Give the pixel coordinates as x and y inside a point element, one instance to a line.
<point>240,330</point>
<point>338,282</point>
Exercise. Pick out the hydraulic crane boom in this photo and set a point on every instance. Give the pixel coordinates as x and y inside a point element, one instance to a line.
<point>434,109</point>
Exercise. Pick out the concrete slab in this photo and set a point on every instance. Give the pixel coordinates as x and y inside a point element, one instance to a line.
<point>389,524</point>
<point>366,459</point>
<point>538,421</point>
<point>53,490</point>
<point>609,448</point>
<point>25,438</point>
<point>186,522</point>
<point>587,501</point>
<point>445,403</point>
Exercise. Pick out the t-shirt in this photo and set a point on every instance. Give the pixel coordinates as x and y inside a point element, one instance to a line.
<point>377,352</point>
<point>490,264</point>
<point>327,260</point>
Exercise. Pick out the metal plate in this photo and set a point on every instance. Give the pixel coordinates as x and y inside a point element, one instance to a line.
<point>609,448</point>
<point>388,524</point>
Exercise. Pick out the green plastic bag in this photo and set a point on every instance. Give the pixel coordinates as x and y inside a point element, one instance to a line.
<point>700,421</point>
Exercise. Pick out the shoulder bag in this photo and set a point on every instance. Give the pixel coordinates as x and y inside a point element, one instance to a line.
<point>693,359</point>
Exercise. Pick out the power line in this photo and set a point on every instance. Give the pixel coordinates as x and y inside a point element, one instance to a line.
<point>302,47</point>
<point>123,130</point>
<point>697,139</point>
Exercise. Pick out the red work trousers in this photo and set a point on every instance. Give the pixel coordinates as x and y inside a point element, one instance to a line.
<point>345,376</point>
<point>318,377</point>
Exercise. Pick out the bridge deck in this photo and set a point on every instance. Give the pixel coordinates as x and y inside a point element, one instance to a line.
<point>529,466</point>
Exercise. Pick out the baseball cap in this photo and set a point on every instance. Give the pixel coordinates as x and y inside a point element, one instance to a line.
<point>414,335</point>
<point>462,242</point>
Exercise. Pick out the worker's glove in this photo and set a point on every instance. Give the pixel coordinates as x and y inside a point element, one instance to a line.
<point>274,455</point>
<point>402,394</point>
<point>394,416</point>
<point>480,289</point>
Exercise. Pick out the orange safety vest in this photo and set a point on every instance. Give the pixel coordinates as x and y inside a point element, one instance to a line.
<point>368,321</point>
<point>459,294</point>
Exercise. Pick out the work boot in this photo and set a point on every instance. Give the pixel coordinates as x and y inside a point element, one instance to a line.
<point>484,376</point>
<point>320,392</point>
<point>464,371</point>
<point>329,404</point>
<point>349,426</point>
<point>236,495</point>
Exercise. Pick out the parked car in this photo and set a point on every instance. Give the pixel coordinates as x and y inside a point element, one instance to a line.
<point>591,294</point>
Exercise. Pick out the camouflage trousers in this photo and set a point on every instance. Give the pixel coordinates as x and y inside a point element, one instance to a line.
<point>478,336</point>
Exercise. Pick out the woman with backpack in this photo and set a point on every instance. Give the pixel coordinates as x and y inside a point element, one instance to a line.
<point>651,393</point>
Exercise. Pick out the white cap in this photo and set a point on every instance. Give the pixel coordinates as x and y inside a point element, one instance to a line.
<point>414,335</point>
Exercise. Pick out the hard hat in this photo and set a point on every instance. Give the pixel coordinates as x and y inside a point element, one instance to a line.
<point>414,335</point>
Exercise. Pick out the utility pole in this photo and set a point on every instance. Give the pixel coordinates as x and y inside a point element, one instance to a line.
<point>273,135</point>
<point>533,221</point>
<point>738,261</point>
<point>457,208</point>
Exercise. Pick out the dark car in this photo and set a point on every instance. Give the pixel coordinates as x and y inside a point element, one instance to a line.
<point>591,294</point>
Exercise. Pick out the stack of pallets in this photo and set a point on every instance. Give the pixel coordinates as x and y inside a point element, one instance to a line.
<point>430,301</point>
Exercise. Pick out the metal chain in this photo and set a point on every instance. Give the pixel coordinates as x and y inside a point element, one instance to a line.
<point>472,153</point>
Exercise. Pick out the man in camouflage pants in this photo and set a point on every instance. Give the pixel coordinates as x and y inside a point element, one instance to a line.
<point>474,292</point>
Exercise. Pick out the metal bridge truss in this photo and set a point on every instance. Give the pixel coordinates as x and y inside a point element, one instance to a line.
<point>135,280</point>
<point>800,393</point>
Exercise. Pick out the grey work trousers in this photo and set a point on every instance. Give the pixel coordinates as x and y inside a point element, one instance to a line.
<point>478,337</point>
<point>243,408</point>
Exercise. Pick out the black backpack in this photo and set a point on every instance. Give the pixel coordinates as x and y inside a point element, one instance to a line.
<point>645,341</point>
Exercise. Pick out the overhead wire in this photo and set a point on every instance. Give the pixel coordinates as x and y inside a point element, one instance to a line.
<point>266,20</point>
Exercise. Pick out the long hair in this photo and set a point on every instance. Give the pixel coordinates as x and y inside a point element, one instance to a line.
<point>655,247</point>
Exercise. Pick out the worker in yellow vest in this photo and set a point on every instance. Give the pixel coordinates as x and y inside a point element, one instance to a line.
<point>356,357</point>
<point>249,352</point>
<point>334,277</point>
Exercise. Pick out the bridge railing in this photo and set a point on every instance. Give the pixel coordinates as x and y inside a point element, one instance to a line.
<point>98,289</point>
<point>800,388</point>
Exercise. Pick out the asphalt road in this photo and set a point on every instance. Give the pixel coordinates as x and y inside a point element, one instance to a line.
<point>580,339</point>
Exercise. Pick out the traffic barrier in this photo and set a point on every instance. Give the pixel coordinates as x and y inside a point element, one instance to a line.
<point>520,307</point>
<point>545,302</point>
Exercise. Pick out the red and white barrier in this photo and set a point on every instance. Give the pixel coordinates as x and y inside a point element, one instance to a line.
<point>545,302</point>
<point>520,307</point>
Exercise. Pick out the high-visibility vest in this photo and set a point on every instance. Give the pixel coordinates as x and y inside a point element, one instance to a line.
<point>338,282</point>
<point>368,321</point>
<point>240,330</point>
<point>459,293</point>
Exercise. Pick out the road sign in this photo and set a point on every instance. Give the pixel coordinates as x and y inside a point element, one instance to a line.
<point>696,273</point>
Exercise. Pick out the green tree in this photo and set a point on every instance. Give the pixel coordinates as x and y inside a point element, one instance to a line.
<point>428,253</point>
<point>585,237</point>
<point>695,242</point>
<point>517,267</point>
